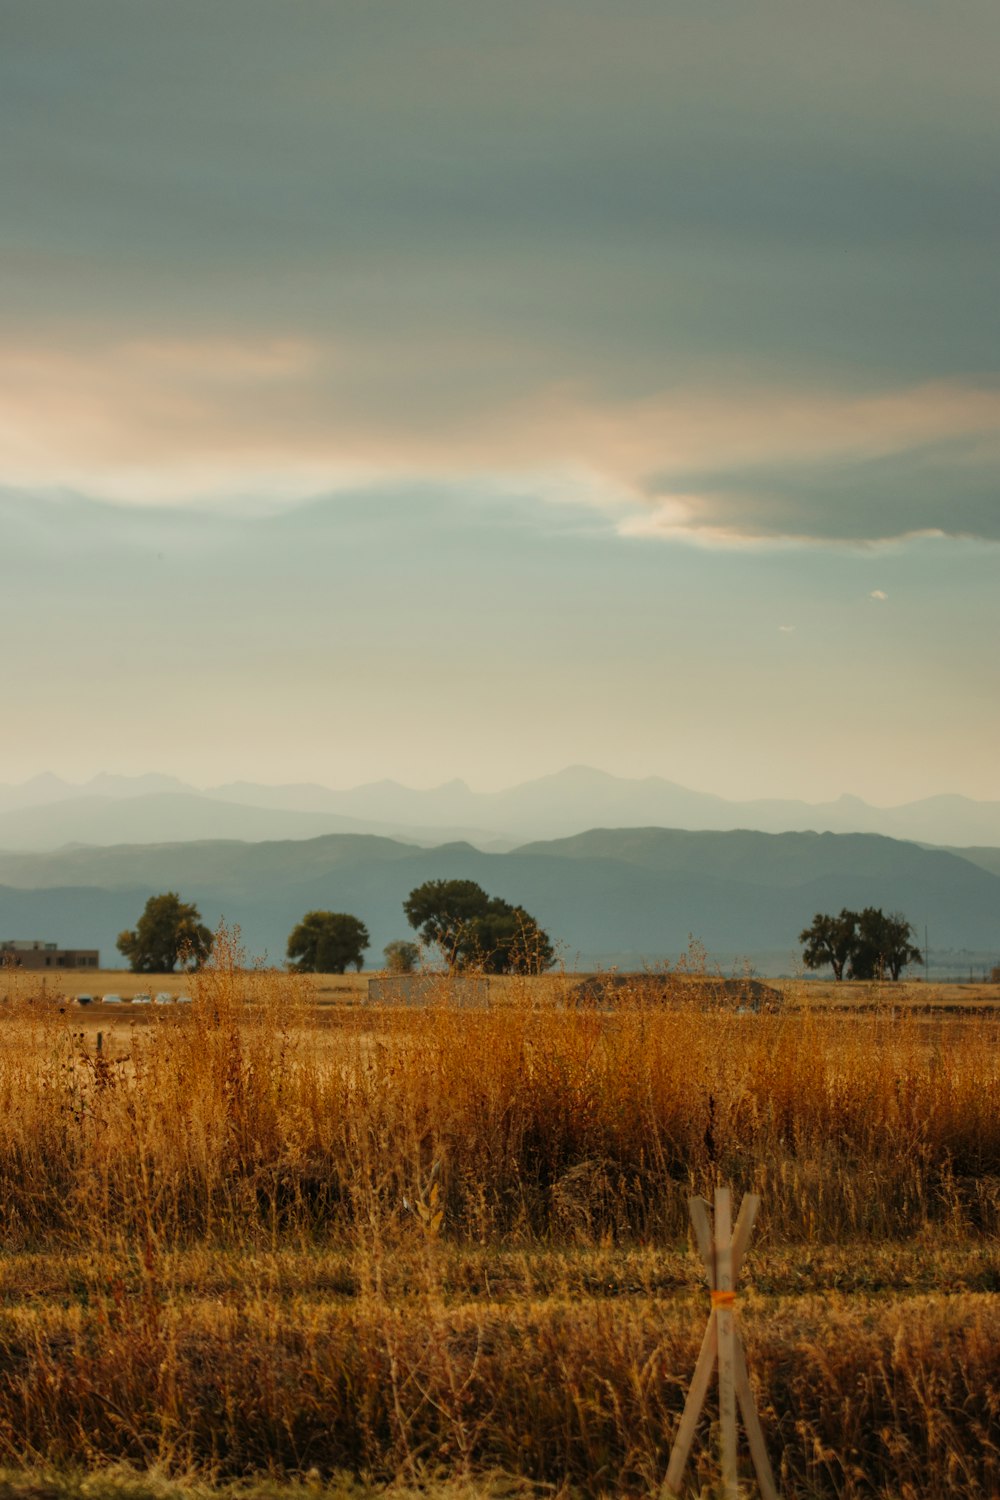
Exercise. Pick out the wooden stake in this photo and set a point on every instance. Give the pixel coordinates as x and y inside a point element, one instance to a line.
<point>751,1421</point>
<point>722,1253</point>
<point>744,1226</point>
<point>724,1334</point>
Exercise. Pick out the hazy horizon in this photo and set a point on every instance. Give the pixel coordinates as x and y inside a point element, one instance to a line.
<point>504,388</point>
<point>477,789</point>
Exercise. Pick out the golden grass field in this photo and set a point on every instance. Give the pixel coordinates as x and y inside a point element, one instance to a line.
<point>284,1240</point>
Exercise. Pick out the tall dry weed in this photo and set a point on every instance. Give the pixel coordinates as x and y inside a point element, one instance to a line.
<point>248,1120</point>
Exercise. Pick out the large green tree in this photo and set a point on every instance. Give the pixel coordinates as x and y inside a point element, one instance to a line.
<point>325,942</point>
<point>170,931</point>
<point>441,910</point>
<point>476,931</point>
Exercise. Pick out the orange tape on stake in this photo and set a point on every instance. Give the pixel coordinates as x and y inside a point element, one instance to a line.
<point>723,1299</point>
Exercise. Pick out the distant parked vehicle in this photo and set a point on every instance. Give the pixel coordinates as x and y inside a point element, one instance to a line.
<point>183,999</point>
<point>142,999</point>
<point>111,999</point>
<point>163,998</point>
<point>84,999</point>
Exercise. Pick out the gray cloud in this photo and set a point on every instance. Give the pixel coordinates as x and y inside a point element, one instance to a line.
<point>466,207</point>
<point>950,489</point>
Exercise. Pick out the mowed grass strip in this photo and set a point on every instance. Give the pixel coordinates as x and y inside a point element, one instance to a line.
<point>934,1264</point>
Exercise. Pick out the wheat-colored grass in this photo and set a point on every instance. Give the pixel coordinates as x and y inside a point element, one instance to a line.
<point>430,1245</point>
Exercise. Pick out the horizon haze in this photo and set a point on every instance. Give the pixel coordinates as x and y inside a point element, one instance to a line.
<point>47,813</point>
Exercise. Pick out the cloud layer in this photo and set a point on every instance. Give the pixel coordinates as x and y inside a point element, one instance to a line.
<point>728,273</point>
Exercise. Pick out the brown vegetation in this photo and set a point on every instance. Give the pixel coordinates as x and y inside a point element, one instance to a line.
<point>251,1238</point>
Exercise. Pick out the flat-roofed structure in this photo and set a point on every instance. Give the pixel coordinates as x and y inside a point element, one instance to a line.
<point>469,992</point>
<point>30,953</point>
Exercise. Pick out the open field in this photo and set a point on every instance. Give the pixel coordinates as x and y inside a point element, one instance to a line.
<point>67,983</point>
<point>351,988</point>
<point>269,1239</point>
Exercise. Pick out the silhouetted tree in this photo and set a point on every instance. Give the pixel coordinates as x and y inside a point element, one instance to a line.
<point>830,940</point>
<point>883,948</point>
<point>868,945</point>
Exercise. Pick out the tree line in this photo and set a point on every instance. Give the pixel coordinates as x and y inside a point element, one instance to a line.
<point>470,929</point>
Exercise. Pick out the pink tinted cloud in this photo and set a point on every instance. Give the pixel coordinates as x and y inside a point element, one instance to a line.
<point>187,420</point>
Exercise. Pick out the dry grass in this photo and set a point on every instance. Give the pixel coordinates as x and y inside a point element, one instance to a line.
<point>904,995</point>
<point>63,985</point>
<point>433,1245</point>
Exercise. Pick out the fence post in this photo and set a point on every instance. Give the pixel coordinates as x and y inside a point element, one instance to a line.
<point>722,1252</point>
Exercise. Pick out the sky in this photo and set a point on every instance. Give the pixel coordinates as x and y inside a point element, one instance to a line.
<point>463,389</point>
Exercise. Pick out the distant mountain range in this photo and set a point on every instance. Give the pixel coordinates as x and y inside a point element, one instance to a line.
<point>46,812</point>
<point>626,896</point>
<point>152,818</point>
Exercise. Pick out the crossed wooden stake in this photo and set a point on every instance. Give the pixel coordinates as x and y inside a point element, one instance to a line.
<point>722,1256</point>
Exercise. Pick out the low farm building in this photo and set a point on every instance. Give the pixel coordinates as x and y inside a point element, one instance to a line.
<point>24,953</point>
<point>469,992</point>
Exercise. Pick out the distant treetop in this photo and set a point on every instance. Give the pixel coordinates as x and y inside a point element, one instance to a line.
<point>477,931</point>
<point>170,931</point>
<point>867,944</point>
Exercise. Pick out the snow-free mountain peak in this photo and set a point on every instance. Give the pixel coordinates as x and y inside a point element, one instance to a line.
<point>556,805</point>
